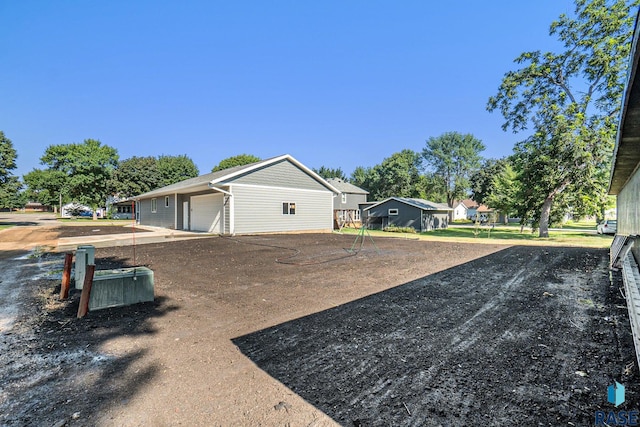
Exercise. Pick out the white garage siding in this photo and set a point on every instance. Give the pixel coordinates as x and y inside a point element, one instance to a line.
<point>259,210</point>
<point>629,207</point>
<point>206,213</point>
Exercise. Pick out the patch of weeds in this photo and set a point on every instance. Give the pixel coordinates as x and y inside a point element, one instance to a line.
<point>586,301</point>
<point>53,272</point>
<point>38,252</point>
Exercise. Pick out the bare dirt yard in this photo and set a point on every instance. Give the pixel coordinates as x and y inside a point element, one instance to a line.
<point>294,330</point>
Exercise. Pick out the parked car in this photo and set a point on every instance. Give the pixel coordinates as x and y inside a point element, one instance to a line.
<point>608,226</point>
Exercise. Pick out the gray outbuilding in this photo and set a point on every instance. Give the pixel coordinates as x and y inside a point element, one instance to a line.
<point>422,215</point>
<point>271,196</point>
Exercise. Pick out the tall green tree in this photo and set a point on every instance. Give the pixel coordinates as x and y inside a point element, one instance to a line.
<point>397,176</point>
<point>326,173</point>
<point>506,189</point>
<point>570,101</point>
<point>453,157</point>
<point>88,168</point>
<point>174,169</point>
<point>239,160</point>
<point>47,187</point>
<point>359,176</point>
<point>136,175</point>
<point>9,184</point>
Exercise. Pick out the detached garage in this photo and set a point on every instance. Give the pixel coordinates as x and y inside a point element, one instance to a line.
<point>422,215</point>
<point>271,196</point>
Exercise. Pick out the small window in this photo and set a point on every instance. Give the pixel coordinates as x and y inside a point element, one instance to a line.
<point>154,205</point>
<point>356,215</point>
<point>166,201</point>
<point>344,197</point>
<point>288,208</point>
<point>393,211</point>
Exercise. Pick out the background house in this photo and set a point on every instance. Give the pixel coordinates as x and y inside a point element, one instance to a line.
<point>346,205</point>
<point>460,211</point>
<point>274,195</point>
<point>422,215</point>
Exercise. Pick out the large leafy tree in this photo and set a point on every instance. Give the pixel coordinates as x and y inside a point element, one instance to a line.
<point>497,185</point>
<point>398,176</point>
<point>47,187</point>
<point>239,160</point>
<point>570,102</point>
<point>136,175</point>
<point>9,184</point>
<point>174,169</point>
<point>326,173</point>
<point>453,157</point>
<point>87,167</point>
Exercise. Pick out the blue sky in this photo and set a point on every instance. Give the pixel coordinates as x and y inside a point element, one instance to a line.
<point>335,83</point>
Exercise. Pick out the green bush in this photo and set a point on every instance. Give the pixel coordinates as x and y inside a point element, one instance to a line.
<point>395,229</point>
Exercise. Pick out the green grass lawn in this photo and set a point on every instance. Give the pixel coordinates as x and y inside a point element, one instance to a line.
<point>3,226</point>
<point>503,235</point>
<point>579,225</point>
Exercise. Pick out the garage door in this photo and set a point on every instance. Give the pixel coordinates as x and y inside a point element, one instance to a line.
<point>206,213</point>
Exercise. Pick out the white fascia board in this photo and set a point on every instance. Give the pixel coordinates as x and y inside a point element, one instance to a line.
<point>379,203</point>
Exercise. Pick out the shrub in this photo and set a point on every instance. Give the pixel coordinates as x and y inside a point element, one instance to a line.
<point>395,229</point>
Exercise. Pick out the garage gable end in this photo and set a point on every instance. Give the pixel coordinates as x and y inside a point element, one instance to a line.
<point>280,174</point>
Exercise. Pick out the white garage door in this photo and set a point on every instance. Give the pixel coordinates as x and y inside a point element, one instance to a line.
<point>206,213</point>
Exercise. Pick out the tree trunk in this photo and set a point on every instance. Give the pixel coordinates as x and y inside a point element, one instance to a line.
<point>544,216</point>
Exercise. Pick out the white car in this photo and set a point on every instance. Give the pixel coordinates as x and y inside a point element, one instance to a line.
<point>608,226</point>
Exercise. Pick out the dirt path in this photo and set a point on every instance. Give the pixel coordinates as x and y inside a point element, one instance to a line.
<point>292,330</point>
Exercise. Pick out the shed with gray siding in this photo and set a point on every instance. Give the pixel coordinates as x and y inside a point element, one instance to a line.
<point>274,195</point>
<point>422,215</point>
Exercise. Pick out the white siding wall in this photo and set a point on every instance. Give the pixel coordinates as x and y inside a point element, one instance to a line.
<point>629,206</point>
<point>259,209</point>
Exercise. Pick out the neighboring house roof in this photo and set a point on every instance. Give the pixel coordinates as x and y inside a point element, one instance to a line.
<point>626,154</point>
<point>468,203</point>
<point>425,205</point>
<point>203,181</point>
<point>485,208</point>
<point>346,187</point>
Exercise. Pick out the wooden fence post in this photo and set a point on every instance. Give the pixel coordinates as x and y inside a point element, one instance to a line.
<point>66,276</point>
<point>83,308</point>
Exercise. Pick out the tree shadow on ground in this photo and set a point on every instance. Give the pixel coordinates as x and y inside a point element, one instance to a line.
<point>496,341</point>
<point>55,370</point>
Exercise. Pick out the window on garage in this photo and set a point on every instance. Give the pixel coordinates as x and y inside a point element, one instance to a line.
<point>154,205</point>
<point>288,208</point>
<point>393,211</point>
<point>166,201</point>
